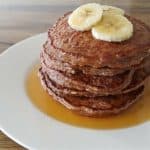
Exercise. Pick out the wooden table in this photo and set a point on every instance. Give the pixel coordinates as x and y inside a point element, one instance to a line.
<point>21,20</point>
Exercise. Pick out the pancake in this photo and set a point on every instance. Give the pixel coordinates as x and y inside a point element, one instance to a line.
<point>56,65</point>
<point>81,49</point>
<point>97,85</point>
<point>105,71</point>
<point>138,80</point>
<point>93,84</point>
<point>97,106</point>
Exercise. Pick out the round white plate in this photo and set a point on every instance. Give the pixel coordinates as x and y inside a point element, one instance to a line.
<point>26,125</point>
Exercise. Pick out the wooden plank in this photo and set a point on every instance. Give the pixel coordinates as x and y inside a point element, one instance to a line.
<point>7,144</point>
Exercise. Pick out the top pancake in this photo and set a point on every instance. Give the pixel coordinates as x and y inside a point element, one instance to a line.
<point>87,51</point>
<point>70,69</point>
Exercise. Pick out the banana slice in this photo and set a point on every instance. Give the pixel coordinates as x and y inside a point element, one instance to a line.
<point>112,10</point>
<point>85,16</point>
<point>113,28</point>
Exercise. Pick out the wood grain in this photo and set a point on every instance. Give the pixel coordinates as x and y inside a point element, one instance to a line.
<point>21,20</point>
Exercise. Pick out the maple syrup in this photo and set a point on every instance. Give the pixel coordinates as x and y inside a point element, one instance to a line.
<point>139,113</point>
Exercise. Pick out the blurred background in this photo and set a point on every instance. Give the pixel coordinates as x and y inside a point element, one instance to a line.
<point>20,19</point>
<point>23,18</point>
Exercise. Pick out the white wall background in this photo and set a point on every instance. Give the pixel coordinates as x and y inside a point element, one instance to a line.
<point>50,2</point>
<point>44,2</point>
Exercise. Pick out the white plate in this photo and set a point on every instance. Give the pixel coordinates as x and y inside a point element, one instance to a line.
<point>26,125</point>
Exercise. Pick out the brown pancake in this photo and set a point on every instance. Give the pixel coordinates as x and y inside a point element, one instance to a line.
<point>93,84</point>
<point>138,80</point>
<point>54,64</point>
<point>65,67</point>
<point>81,49</point>
<point>98,106</point>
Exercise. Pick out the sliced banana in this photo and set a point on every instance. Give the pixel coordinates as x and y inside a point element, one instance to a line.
<point>112,10</point>
<point>85,16</point>
<point>113,28</point>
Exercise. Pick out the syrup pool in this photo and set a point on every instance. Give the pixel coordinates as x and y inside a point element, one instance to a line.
<point>137,114</point>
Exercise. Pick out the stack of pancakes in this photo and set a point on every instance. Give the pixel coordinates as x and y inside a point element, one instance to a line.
<point>94,77</point>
